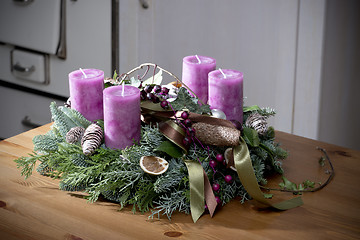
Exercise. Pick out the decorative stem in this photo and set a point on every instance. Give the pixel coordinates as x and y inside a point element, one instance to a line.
<point>332,173</point>
<point>125,75</point>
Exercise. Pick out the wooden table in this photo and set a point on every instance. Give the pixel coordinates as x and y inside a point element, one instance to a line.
<point>36,209</point>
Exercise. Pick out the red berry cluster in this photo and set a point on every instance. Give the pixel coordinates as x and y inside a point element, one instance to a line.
<point>156,94</point>
<point>227,178</point>
<point>190,131</point>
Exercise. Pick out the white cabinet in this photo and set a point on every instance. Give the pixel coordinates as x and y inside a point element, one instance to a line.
<point>88,43</point>
<point>30,36</point>
<point>277,44</point>
<point>21,111</point>
<point>35,24</point>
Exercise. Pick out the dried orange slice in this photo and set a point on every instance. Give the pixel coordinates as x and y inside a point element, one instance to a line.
<point>153,165</point>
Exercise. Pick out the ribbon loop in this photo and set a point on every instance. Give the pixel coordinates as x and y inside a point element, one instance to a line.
<point>196,180</point>
<point>247,177</point>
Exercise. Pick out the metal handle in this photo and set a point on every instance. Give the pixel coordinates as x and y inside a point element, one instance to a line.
<point>144,4</point>
<point>17,67</point>
<point>28,123</point>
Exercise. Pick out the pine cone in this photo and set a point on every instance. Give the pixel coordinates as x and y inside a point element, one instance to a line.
<point>92,139</point>
<point>74,134</point>
<point>257,122</point>
<point>216,135</point>
<point>68,103</point>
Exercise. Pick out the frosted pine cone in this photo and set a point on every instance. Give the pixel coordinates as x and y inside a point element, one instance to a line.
<point>257,122</point>
<point>92,139</point>
<point>74,134</point>
<point>68,103</point>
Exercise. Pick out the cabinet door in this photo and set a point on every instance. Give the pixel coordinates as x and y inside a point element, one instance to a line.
<point>22,111</point>
<point>256,37</point>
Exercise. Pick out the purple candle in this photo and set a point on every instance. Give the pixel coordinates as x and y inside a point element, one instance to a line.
<point>86,92</point>
<point>122,124</point>
<point>195,74</point>
<point>226,93</point>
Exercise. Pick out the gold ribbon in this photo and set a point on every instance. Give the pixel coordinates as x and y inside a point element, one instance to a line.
<point>247,177</point>
<point>174,133</point>
<point>196,180</point>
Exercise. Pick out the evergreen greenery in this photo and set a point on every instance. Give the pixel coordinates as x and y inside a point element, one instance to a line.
<point>117,176</point>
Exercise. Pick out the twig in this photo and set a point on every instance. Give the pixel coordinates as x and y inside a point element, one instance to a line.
<point>331,176</point>
<point>164,70</point>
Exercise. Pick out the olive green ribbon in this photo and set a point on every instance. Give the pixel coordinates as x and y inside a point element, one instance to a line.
<point>247,177</point>
<point>196,180</point>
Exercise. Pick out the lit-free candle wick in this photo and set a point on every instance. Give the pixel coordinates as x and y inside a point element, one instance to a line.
<point>83,72</point>
<point>222,72</point>
<point>197,57</point>
<point>123,89</point>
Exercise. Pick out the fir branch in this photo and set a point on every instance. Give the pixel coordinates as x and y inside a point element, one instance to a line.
<point>44,169</point>
<point>27,164</point>
<point>185,101</point>
<point>171,178</point>
<point>144,196</point>
<point>75,116</point>
<point>168,203</point>
<point>46,143</point>
<point>62,122</point>
<point>71,188</point>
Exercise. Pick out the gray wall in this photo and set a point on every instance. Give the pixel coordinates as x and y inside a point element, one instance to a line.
<point>339,121</point>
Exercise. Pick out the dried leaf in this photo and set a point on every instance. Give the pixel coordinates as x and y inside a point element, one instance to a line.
<point>156,79</point>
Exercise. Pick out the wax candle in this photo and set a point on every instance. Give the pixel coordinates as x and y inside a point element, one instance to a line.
<point>86,87</point>
<point>195,74</point>
<point>226,93</point>
<point>122,124</point>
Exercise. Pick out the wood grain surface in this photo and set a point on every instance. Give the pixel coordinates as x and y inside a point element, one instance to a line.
<point>37,209</point>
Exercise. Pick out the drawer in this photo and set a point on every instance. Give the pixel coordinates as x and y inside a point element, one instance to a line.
<point>32,24</point>
<point>30,66</point>
<point>21,111</point>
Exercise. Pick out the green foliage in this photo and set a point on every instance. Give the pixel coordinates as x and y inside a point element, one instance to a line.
<point>288,185</point>
<point>43,169</point>
<point>185,101</point>
<point>170,148</point>
<point>266,112</point>
<point>27,164</point>
<point>172,177</point>
<point>268,195</point>
<point>61,121</point>
<point>46,143</point>
<point>251,137</point>
<point>117,176</point>
<point>75,116</point>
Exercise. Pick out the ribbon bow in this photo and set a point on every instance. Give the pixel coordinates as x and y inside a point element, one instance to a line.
<point>200,187</point>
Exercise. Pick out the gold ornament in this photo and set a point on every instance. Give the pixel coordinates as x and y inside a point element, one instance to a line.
<point>216,135</point>
<point>92,139</point>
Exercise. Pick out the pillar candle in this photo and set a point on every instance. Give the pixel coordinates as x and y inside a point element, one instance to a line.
<point>226,93</point>
<point>86,93</point>
<point>122,123</point>
<point>195,74</point>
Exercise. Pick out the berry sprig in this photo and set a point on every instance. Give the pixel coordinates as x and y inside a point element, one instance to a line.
<point>156,94</point>
<point>190,137</point>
